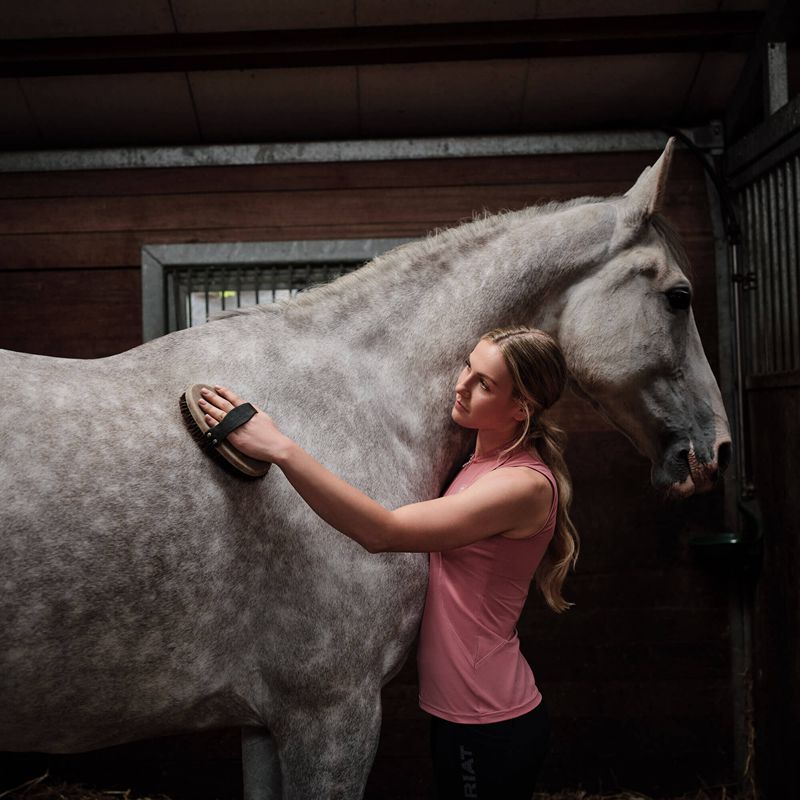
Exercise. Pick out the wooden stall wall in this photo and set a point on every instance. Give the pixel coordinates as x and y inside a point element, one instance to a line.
<point>637,675</point>
<point>775,433</point>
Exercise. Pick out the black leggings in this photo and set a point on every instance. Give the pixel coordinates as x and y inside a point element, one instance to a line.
<point>492,761</point>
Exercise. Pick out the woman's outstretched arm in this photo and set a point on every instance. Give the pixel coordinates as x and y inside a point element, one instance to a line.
<point>502,501</point>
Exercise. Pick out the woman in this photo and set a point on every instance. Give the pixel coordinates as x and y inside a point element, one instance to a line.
<point>503,519</point>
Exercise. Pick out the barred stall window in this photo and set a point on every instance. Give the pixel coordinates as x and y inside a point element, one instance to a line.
<point>770,211</point>
<point>184,285</point>
<point>767,204</point>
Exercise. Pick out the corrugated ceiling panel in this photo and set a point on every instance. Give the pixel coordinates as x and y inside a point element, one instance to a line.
<point>194,16</point>
<point>603,92</point>
<point>112,109</point>
<point>714,84</point>
<point>419,99</point>
<point>274,104</point>
<point>17,126</point>
<point>52,18</point>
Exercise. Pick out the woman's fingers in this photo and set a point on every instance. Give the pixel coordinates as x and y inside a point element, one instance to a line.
<point>228,395</point>
<point>211,410</point>
<point>215,406</point>
<point>228,399</point>
<point>216,400</point>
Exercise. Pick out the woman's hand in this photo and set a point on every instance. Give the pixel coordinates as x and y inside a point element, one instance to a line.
<point>258,437</point>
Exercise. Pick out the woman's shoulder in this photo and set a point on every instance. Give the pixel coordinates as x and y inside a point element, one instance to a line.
<point>523,457</point>
<point>539,473</point>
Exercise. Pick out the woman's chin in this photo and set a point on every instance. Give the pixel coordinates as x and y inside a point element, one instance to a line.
<point>458,416</point>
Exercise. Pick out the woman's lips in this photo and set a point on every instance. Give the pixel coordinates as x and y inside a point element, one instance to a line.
<point>460,405</point>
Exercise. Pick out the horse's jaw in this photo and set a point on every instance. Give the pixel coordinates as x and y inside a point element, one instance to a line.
<point>680,467</point>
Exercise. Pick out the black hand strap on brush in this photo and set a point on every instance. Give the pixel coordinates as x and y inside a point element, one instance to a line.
<point>234,419</point>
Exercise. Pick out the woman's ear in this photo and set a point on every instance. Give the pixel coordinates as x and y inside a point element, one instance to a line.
<point>522,412</point>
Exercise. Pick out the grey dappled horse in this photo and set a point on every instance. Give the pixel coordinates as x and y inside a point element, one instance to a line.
<point>146,592</point>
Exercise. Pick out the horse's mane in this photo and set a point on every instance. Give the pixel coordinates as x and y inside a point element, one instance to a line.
<point>459,235</point>
<point>673,244</point>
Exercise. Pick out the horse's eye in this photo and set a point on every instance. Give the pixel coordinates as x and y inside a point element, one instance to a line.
<point>680,297</point>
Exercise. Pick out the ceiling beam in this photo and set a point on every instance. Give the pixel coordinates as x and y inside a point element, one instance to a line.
<point>328,47</point>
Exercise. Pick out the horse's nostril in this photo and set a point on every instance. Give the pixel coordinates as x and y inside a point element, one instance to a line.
<point>724,456</point>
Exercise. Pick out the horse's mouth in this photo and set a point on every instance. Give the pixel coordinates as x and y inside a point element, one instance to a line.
<point>701,477</point>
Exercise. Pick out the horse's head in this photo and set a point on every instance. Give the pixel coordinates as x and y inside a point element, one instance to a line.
<point>633,349</point>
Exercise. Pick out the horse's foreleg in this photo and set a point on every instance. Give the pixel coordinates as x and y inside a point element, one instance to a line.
<point>260,767</point>
<point>329,757</point>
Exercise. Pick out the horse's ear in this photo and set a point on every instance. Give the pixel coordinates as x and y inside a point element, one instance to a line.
<point>646,196</point>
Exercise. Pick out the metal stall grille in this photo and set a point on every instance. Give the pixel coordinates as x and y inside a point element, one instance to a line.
<point>767,195</point>
<point>193,293</point>
<point>183,285</point>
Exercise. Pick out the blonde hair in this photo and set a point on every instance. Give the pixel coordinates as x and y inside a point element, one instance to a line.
<point>539,373</point>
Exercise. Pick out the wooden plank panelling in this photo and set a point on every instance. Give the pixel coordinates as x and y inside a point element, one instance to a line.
<point>101,249</point>
<point>71,313</point>
<point>431,205</point>
<point>598,169</point>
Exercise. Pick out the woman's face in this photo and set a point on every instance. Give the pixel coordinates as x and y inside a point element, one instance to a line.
<point>484,392</point>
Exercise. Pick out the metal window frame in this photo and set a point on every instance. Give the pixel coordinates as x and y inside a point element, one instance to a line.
<point>157,260</point>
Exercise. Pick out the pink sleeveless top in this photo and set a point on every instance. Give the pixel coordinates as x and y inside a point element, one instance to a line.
<point>470,666</point>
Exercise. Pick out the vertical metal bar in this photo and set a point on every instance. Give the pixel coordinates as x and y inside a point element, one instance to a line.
<point>784,346</point>
<point>772,319</point>
<point>742,449</point>
<point>777,77</point>
<point>257,280</point>
<point>308,277</point>
<point>766,315</point>
<point>793,226</point>
<point>764,277</point>
<point>166,277</point>
<point>176,298</point>
<point>756,301</point>
<point>238,286</point>
<point>291,280</point>
<point>748,301</point>
<point>189,271</point>
<point>206,289</point>
<point>771,268</point>
<point>223,283</point>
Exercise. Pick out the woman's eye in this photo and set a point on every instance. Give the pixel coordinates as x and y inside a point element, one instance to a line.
<point>466,363</point>
<point>485,385</point>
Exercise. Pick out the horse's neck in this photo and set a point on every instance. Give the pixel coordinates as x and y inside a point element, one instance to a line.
<point>439,296</point>
<point>407,326</point>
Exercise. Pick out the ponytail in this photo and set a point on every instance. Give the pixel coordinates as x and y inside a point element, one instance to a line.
<point>535,360</point>
<point>563,550</point>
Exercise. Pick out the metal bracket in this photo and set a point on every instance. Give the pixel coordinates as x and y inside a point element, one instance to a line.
<point>748,281</point>
<point>710,137</point>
